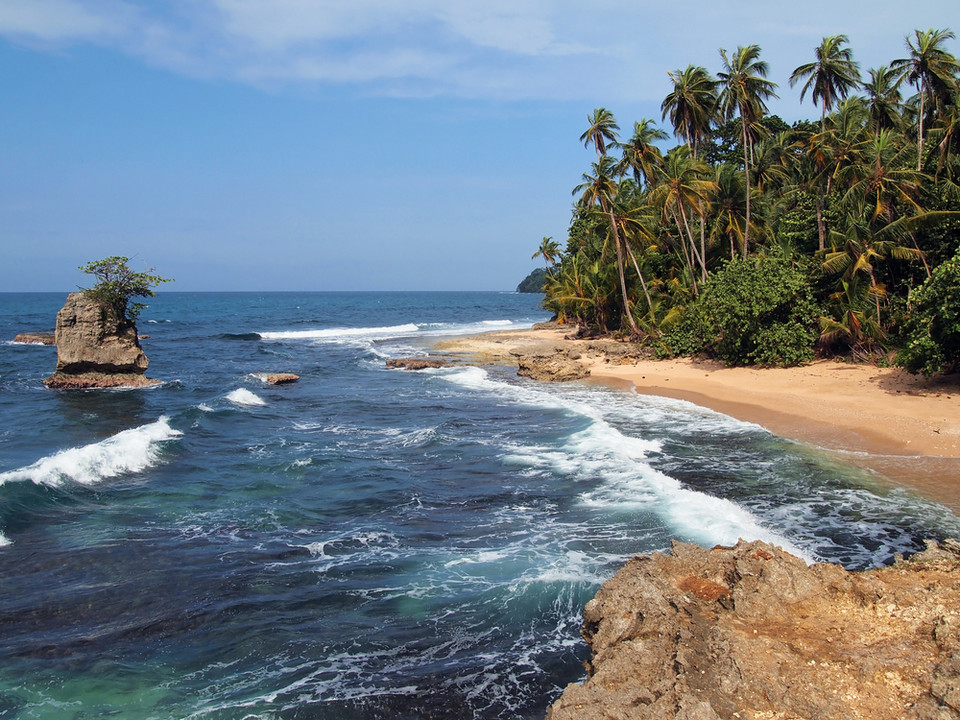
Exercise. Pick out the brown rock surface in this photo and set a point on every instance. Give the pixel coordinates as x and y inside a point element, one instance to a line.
<point>94,349</point>
<point>416,363</point>
<point>35,339</point>
<point>277,378</point>
<point>753,632</point>
<point>555,366</point>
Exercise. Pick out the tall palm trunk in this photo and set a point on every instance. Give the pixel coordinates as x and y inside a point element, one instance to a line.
<point>623,280</point>
<point>746,172</point>
<point>643,283</point>
<point>821,225</point>
<point>923,88</point>
<point>686,253</point>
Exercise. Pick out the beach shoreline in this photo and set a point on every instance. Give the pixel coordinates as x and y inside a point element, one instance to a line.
<point>904,428</point>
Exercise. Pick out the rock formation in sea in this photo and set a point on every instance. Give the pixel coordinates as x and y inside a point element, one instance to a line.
<point>754,632</point>
<point>282,378</point>
<point>95,349</point>
<point>416,363</point>
<point>35,339</point>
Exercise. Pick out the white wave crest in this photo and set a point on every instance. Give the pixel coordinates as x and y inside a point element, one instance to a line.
<point>128,451</point>
<point>242,396</point>
<point>629,482</point>
<point>4,541</point>
<point>338,334</point>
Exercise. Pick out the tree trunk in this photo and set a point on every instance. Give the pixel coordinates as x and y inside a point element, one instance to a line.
<point>920,127</point>
<point>821,225</point>
<point>746,172</point>
<point>643,283</point>
<point>623,280</point>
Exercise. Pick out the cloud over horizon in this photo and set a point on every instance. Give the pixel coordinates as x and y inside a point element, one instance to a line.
<point>500,50</point>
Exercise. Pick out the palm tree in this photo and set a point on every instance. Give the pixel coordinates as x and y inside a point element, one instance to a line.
<point>603,128</point>
<point>691,105</point>
<point>833,149</point>
<point>884,99</point>
<point>947,133</point>
<point>600,189</point>
<point>549,250</point>
<point>640,155</point>
<point>729,206</point>
<point>682,191</point>
<point>831,76</point>
<point>745,88</point>
<point>932,70</point>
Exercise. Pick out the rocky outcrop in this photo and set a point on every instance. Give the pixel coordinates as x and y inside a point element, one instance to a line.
<point>35,339</point>
<point>753,632</point>
<point>277,378</point>
<point>552,366</point>
<point>416,363</point>
<point>94,349</point>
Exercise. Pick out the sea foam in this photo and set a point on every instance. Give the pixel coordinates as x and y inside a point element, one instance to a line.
<point>242,396</point>
<point>126,452</point>
<point>337,334</point>
<point>629,482</point>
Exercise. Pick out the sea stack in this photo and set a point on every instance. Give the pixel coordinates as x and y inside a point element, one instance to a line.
<point>95,349</point>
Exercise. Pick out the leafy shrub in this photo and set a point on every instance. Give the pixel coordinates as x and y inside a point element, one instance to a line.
<point>758,311</point>
<point>931,332</point>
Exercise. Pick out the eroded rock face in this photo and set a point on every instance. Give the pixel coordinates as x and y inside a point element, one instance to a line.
<point>94,349</point>
<point>558,366</point>
<point>753,632</point>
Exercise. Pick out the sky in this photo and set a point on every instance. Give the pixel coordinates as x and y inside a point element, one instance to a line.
<point>350,144</point>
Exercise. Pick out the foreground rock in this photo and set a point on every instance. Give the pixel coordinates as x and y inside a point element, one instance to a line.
<point>753,632</point>
<point>94,349</point>
<point>35,339</point>
<point>416,363</point>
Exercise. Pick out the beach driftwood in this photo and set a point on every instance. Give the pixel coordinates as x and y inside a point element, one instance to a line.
<point>95,349</point>
<point>752,631</point>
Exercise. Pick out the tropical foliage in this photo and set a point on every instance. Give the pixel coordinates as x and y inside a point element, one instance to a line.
<point>932,328</point>
<point>760,242</point>
<point>117,284</point>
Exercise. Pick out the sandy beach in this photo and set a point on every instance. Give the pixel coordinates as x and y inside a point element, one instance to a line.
<point>904,428</point>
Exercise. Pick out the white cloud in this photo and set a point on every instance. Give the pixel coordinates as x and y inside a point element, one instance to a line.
<point>606,50</point>
<point>47,20</point>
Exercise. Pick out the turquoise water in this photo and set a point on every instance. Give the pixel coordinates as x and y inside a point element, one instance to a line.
<point>368,542</point>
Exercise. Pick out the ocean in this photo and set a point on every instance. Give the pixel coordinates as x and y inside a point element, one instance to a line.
<point>367,542</point>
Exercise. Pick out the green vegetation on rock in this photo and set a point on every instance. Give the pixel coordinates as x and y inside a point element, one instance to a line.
<point>117,284</point>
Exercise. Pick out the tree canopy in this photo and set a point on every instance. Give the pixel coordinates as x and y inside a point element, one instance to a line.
<point>761,242</point>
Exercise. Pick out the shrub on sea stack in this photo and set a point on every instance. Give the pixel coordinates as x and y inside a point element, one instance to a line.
<point>117,284</point>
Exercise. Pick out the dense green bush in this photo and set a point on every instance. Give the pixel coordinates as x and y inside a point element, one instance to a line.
<point>931,333</point>
<point>758,311</point>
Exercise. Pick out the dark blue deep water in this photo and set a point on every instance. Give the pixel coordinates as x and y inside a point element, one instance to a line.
<point>366,543</point>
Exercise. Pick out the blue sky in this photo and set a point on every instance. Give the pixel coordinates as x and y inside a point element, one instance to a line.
<point>348,145</point>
